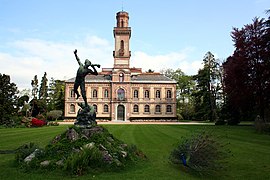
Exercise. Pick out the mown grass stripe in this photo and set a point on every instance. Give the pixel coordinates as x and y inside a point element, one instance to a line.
<point>250,160</point>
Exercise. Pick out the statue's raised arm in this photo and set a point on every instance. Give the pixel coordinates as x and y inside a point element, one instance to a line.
<point>77,58</point>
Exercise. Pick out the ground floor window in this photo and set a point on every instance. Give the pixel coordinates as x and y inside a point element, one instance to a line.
<point>72,108</point>
<point>95,108</point>
<point>168,108</point>
<point>157,109</point>
<point>106,108</point>
<point>135,108</point>
<point>146,109</point>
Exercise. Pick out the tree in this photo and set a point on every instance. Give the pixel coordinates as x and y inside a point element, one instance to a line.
<point>267,25</point>
<point>56,99</point>
<point>60,100</point>
<point>23,106</point>
<point>43,91</point>
<point>246,72</point>
<point>185,86</point>
<point>34,84</point>
<point>8,99</point>
<point>208,88</point>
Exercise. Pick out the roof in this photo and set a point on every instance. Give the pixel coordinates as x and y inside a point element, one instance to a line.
<point>151,78</point>
<point>93,78</point>
<point>140,78</point>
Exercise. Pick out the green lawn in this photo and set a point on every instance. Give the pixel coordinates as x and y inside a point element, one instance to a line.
<point>250,151</point>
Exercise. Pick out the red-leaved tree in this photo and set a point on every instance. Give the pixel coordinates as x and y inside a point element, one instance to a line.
<point>247,71</point>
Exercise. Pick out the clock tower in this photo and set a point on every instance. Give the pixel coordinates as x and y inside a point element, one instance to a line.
<point>122,34</point>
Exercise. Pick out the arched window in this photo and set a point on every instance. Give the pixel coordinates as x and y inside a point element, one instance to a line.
<point>169,94</point>
<point>121,50</point>
<point>122,23</point>
<point>157,109</point>
<point>146,94</point>
<point>121,94</point>
<point>72,94</point>
<point>135,108</point>
<point>168,108</point>
<point>135,94</point>
<point>121,77</point>
<point>95,108</point>
<point>157,93</point>
<point>106,93</point>
<point>122,44</point>
<point>94,93</point>
<point>106,108</point>
<point>72,108</point>
<point>146,109</point>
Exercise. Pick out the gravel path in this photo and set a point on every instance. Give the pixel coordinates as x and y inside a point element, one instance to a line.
<point>128,122</point>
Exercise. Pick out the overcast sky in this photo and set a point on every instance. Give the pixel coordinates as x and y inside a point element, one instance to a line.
<point>40,36</point>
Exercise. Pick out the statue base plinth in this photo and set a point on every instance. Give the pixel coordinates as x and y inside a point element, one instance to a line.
<point>86,117</point>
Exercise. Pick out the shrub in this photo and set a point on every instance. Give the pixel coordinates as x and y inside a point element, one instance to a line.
<point>37,122</point>
<point>201,153</point>
<point>179,116</point>
<point>25,150</point>
<point>7,121</point>
<point>54,115</point>
<point>261,126</point>
<point>41,117</point>
<point>53,124</point>
<point>220,122</point>
<point>78,162</point>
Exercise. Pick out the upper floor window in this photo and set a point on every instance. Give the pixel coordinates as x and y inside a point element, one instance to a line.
<point>157,93</point>
<point>106,93</point>
<point>94,95</point>
<point>122,44</point>
<point>121,77</point>
<point>135,94</point>
<point>121,50</point>
<point>169,94</point>
<point>72,94</point>
<point>146,94</point>
<point>121,94</point>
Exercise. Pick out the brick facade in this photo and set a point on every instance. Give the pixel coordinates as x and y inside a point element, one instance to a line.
<point>124,93</point>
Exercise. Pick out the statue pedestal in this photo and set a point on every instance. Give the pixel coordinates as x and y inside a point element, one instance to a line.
<point>86,117</point>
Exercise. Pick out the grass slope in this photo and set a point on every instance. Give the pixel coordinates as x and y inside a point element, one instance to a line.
<point>250,160</point>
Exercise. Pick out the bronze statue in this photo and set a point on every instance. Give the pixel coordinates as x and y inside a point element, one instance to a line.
<point>80,77</point>
<point>86,117</point>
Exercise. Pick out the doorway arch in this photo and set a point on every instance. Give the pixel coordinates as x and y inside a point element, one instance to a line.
<point>121,112</point>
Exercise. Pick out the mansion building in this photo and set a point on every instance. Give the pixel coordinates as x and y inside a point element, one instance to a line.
<point>125,93</point>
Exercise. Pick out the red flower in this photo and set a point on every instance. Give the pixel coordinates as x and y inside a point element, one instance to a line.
<point>37,122</point>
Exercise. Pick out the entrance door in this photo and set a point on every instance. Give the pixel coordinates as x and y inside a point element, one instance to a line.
<point>121,112</point>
